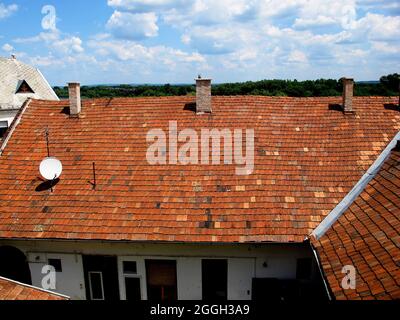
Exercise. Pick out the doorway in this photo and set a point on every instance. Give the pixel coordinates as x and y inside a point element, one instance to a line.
<point>161,280</point>
<point>101,277</point>
<point>214,275</point>
<point>14,265</point>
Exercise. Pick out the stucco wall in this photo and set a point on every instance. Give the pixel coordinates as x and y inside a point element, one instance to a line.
<point>8,116</point>
<point>244,263</point>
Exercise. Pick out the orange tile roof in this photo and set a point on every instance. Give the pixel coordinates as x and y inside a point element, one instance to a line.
<point>12,290</point>
<point>307,157</point>
<point>367,236</point>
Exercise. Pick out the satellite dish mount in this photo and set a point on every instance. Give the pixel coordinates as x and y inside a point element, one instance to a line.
<point>50,168</point>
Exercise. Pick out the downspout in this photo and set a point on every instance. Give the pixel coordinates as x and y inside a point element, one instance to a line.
<point>321,271</point>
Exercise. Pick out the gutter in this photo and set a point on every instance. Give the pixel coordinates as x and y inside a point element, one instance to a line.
<point>37,288</point>
<point>348,200</point>
<point>14,125</point>
<point>321,271</point>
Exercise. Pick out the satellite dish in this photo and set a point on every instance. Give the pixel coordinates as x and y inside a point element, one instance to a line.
<point>50,168</point>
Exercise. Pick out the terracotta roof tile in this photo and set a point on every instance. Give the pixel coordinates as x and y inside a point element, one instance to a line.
<point>365,237</point>
<point>292,189</point>
<point>12,290</point>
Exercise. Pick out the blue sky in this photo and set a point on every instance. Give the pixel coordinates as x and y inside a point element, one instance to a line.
<point>171,41</point>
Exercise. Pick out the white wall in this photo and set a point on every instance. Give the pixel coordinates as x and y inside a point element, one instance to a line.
<point>244,263</point>
<point>240,274</point>
<point>189,278</point>
<point>69,282</point>
<point>8,116</point>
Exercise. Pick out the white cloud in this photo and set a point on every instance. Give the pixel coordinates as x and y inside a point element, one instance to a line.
<point>55,40</point>
<point>131,51</point>
<point>146,5</point>
<point>7,47</point>
<point>380,27</point>
<point>131,26</point>
<point>297,56</point>
<point>68,45</point>
<point>322,13</point>
<point>6,11</point>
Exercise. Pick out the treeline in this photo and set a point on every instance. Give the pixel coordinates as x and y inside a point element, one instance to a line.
<point>387,86</point>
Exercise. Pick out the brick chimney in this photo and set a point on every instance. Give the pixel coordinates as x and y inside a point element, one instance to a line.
<point>74,90</point>
<point>203,95</point>
<point>348,89</point>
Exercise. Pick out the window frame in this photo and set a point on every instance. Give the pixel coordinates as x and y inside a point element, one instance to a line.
<point>90,285</point>
<point>131,275</point>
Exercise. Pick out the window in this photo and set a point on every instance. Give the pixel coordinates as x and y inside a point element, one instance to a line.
<point>161,280</point>
<point>132,281</point>
<point>304,269</point>
<point>130,267</point>
<point>214,279</point>
<point>3,128</point>
<point>56,263</point>
<point>101,277</point>
<point>24,87</point>
<point>96,285</point>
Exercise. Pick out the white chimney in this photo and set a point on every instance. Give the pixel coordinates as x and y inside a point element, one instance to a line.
<point>74,90</point>
<point>348,89</point>
<point>203,95</point>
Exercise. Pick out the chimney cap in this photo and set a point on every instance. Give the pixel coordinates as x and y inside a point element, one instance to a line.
<point>347,79</point>
<point>73,83</point>
<point>203,79</point>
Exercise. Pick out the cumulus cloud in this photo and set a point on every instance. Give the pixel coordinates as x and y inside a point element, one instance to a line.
<point>7,47</point>
<point>55,40</point>
<point>6,11</point>
<point>297,56</point>
<point>133,26</point>
<point>147,5</point>
<point>126,50</point>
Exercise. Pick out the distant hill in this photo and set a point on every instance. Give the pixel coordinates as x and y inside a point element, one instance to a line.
<point>387,86</point>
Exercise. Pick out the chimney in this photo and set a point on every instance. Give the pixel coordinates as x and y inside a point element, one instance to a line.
<point>348,88</point>
<point>203,95</point>
<point>74,90</point>
<point>13,57</point>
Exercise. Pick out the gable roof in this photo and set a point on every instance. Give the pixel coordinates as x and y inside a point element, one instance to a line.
<point>12,74</point>
<point>307,158</point>
<point>13,290</point>
<point>367,236</point>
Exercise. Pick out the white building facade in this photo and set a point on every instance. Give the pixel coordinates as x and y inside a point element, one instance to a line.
<point>149,271</point>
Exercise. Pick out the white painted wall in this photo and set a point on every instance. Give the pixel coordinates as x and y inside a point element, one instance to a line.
<point>8,116</point>
<point>240,274</point>
<point>70,281</point>
<point>189,278</point>
<point>244,263</point>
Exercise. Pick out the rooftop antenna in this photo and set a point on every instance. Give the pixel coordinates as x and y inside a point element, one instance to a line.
<point>50,168</point>
<point>94,176</point>
<point>46,133</point>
